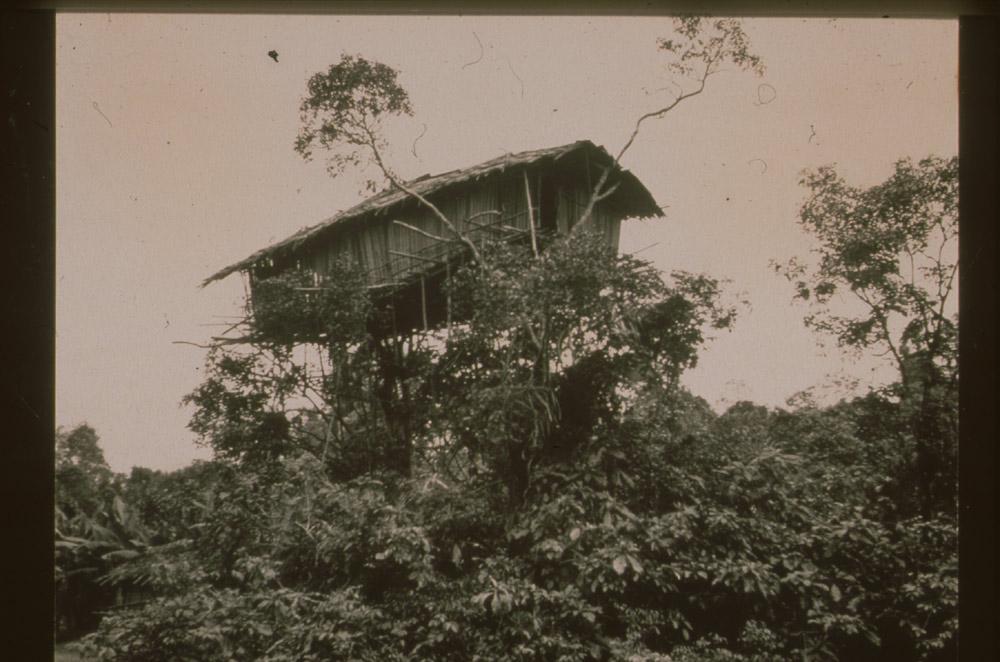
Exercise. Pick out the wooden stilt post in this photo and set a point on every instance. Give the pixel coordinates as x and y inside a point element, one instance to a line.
<point>590,185</point>
<point>423,301</point>
<point>538,189</point>
<point>392,304</point>
<point>447,270</point>
<point>531,213</point>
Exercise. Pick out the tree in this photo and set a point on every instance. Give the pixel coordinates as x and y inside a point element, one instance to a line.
<point>373,397</point>
<point>83,493</point>
<point>343,113</point>
<point>532,484</point>
<point>700,47</point>
<point>347,104</point>
<point>892,248</point>
<point>546,359</point>
<point>93,528</point>
<point>82,476</point>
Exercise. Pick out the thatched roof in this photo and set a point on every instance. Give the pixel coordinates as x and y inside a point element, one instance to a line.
<point>635,200</point>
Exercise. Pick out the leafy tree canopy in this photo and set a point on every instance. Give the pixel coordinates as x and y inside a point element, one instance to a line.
<point>892,248</point>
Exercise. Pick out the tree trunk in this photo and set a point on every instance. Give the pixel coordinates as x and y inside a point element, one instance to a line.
<point>393,401</point>
<point>934,441</point>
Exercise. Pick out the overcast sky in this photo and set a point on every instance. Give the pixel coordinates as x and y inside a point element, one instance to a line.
<point>174,158</point>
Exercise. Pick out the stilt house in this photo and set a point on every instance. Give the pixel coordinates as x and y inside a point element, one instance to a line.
<point>406,251</point>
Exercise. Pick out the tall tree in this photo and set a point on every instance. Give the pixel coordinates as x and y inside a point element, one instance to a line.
<point>347,105</point>
<point>82,476</point>
<point>892,249</point>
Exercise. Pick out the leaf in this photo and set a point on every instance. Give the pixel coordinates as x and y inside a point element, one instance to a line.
<point>619,564</point>
<point>456,554</point>
<point>121,555</point>
<point>835,593</point>
<point>574,534</point>
<point>119,507</point>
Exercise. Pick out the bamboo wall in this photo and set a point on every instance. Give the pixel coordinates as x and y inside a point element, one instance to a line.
<point>389,252</point>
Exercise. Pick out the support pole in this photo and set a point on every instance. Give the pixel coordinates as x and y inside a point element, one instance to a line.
<point>531,213</point>
<point>423,301</point>
<point>447,269</point>
<point>392,303</point>
<point>590,189</point>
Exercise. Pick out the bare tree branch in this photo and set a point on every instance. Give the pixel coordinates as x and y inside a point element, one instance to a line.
<point>372,143</point>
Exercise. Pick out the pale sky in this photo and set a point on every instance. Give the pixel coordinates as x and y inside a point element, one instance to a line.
<point>174,158</point>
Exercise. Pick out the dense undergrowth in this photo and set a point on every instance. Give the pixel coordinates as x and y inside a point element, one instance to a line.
<point>536,487</point>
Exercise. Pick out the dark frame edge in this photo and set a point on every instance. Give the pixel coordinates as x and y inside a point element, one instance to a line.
<point>979,52</point>
<point>27,60</point>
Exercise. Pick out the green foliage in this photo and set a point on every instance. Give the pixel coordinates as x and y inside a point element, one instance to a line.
<point>710,42</point>
<point>275,625</point>
<point>553,347</point>
<point>234,406</point>
<point>550,351</point>
<point>289,308</point>
<point>83,478</point>
<point>169,504</point>
<point>532,483</point>
<point>565,499</point>
<point>344,109</point>
<point>892,247</point>
<point>91,523</point>
<point>770,540</point>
